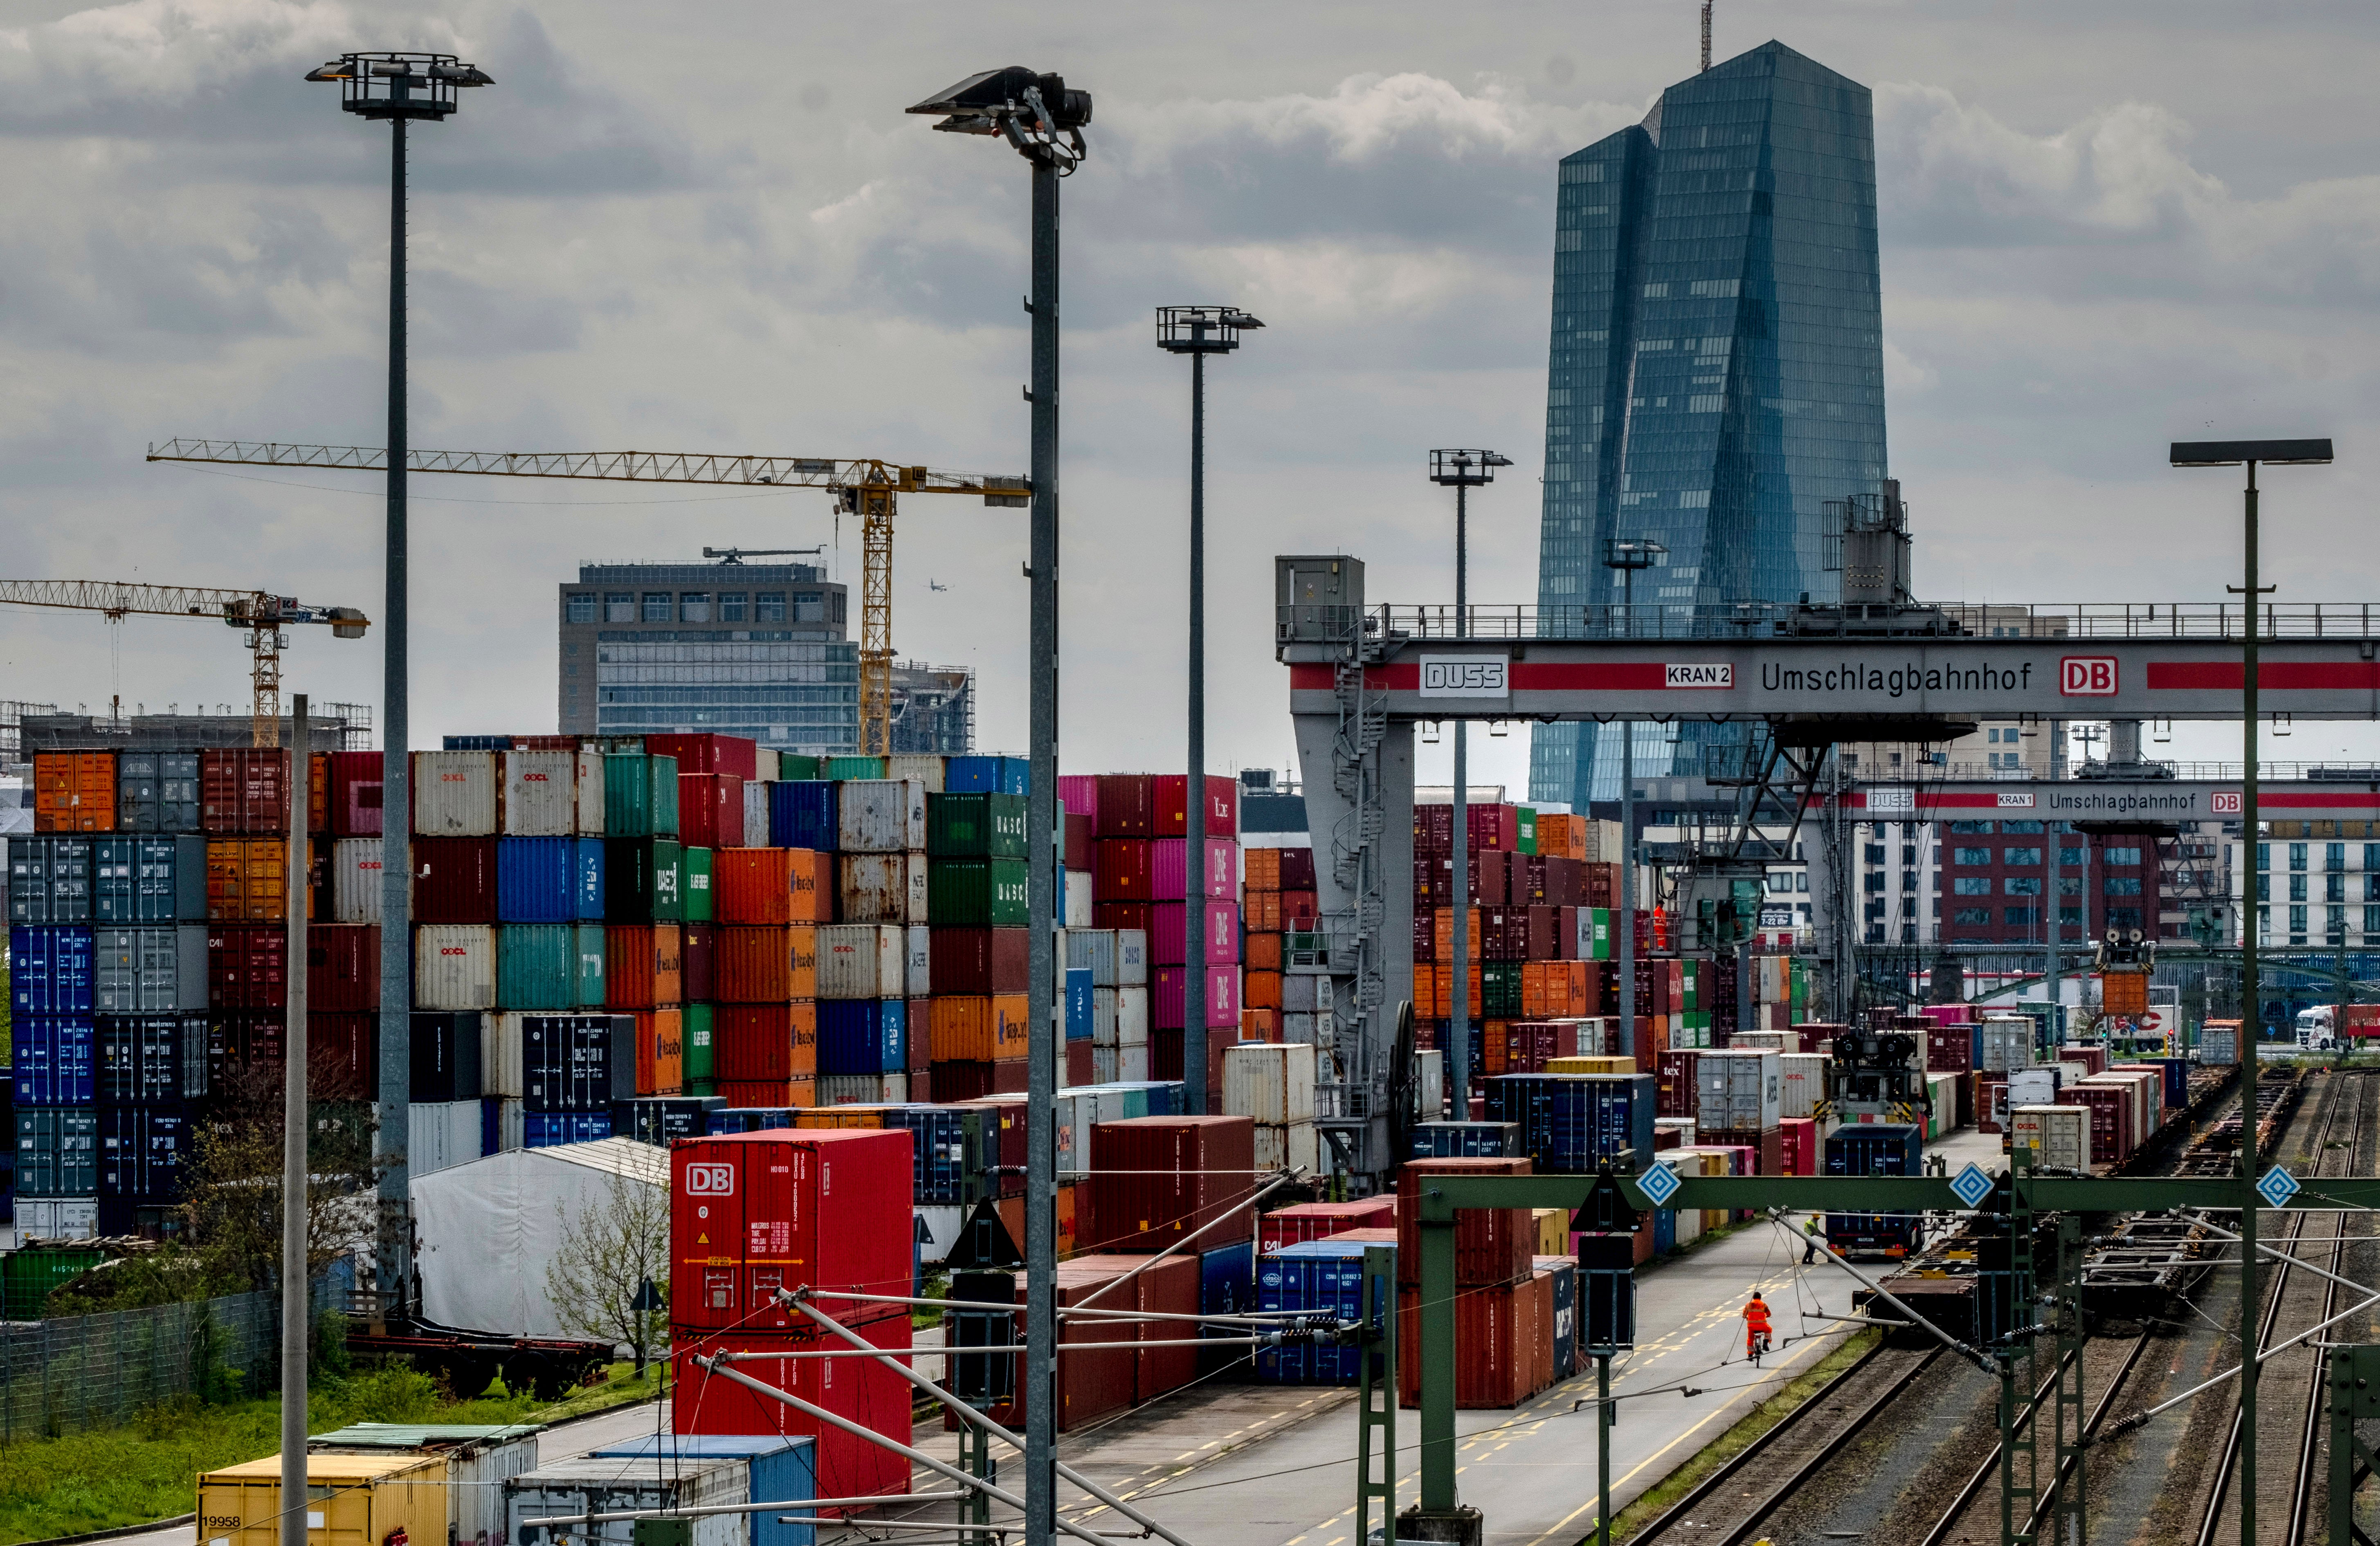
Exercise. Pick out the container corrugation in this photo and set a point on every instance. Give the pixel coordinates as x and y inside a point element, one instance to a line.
<point>541,796</point>
<point>757,963</point>
<point>644,880</point>
<point>981,961</point>
<point>802,815</point>
<point>988,775</point>
<point>916,961</point>
<point>978,1028</point>
<point>881,887</point>
<point>1168,877</point>
<point>764,1041</point>
<point>342,966</point>
<point>455,966</point>
<point>756,814</point>
<point>157,792</point>
<point>764,886</point>
<point>643,965</point>
<point>881,816</point>
<point>694,884</point>
<point>248,880</point>
<point>356,880</point>
<point>1155,1179</point>
<point>709,752</point>
<point>711,810</point>
<point>860,960</point>
<point>976,826</point>
<point>615,1485</point>
<point>1268,1082</point>
<point>442,1135</point>
<point>537,966</point>
<point>455,795</point>
<point>243,791</point>
<point>549,880</point>
<point>455,880</point>
<point>660,1051</point>
<point>640,795</point>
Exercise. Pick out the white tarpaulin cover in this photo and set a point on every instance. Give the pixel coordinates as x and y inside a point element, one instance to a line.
<point>489,1228</point>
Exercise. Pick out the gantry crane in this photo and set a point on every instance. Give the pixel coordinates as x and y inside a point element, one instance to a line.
<point>862,485</point>
<point>259,613</point>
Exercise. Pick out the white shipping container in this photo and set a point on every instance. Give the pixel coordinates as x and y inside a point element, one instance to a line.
<point>1132,957</point>
<point>917,965</point>
<point>58,1218</point>
<point>1271,1081</point>
<point>590,794</point>
<point>1132,1062</point>
<point>1684,1127</point>
<point>940,1225</point>
<point>2037,1085</point>
<point>2007,1043</point>
<point>1287,1146</point>
<point>1943,1089</point>
<point>1081,908</point>
<point>355,880</point>
<point>155,969</point>
<point>881,887</point>
<point>1103,1016</point>
<point>1740,1090</point>
<point>1093,950</point>
<point>1803,1077</point>
<point>2057,1135</point>
<point>614,1484</point>
<point>1132,1021</point>
<point>1103,1063</point>
<point>1429,1081</point>
<point>442,1134</point>
<point>540,794</point>
<point>1764,1041</point>
<point>756,814</point>
<point>880,815</point>
<point>454,794</point>
<point>862,960</point>
<point>1301,992</point>
<point>455,966</point>
<point>501,1071</point>
<point>2217,1045</point>
<point>925,770</point>
<point>877,1089</point>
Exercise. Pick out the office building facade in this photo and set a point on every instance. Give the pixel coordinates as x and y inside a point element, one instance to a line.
<point>1717,370</point>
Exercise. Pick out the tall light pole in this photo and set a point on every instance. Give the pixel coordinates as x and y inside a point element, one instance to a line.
<point>1464,471</point>
<point>1628,554</point>
<point>1043,121</point>
<point>1198,331</point>
<point>2232,453</point>
<point>397,88</point>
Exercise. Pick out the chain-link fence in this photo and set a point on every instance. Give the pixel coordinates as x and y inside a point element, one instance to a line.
<point>89,1370</point>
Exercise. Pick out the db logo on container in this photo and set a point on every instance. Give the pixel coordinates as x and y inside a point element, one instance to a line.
<point>709,1181</point>
<point>2087,676</point>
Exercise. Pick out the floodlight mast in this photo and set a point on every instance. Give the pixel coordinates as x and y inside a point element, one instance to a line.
<point>1628,554</point>
<point>1042,119</point>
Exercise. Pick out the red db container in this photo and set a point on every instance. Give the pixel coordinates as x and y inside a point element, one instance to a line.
<point>342,966</point>
<point>1491,1245</point>
<point>857,1389</point>
<point>243,791</point>
<point>1154,1180</point>
<point>764,885</point>
<point>753,1213</point>
<point>772,963</point>
<point>708,752</point>
<point>351,793</point>
<point>711,810</point>
<point>454,880</point>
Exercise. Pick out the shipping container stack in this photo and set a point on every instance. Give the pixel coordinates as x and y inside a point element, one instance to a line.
<point>1503,1307</point>
<point>975,973</point>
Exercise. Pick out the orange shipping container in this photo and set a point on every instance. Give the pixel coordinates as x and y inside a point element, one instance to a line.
<point>1262,909</point>
<point>820,892</point>
<point>764,885</point>
<point>1262,990</point>
<point>1263,868</point>
<point>1533,991</point>
<point>74,791</point>
<point>757,963</point>
<point>660,1052</point>
<point>976,1028</point>
<point>1441,990</point>
<point>1259,1025</point>
<point>840,1117</point>
<point>248,880</point>
<point>640,966</point>
<point>1496,1046</point>
<point>1443,932</point>
<point>1264,953</point>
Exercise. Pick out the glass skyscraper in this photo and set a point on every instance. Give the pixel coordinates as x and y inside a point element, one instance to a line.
<point>1718,363</point>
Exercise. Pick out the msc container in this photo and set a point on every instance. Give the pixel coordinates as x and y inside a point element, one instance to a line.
<point>860,960</point>
<point>880,815</point>
<point>751,1212</point>
<point>783,1469</point>
<point>881,887</point>
<point>455,966</point>
<point>455,880</point>
<point>1155,1179</point>
<point>74,791</point>
<point>454,794</point>
<point>352,1500</point>
<point>1268,1082</point>
<point>978,893</point>
<point>540,793</point>
<point>144,1059</point>
<point>1740,1091</point>
<point>762,886</point>
<point>774,963</point>
<point>643,966</point>
<point>549,879</point>
<point>243,791</point>
<point>52,970</point>
<point>156,792</point>
<point>801,814</point>
<point>579,1063</point>
<point>54,1059</point>
<point>976,826</point>
<point>2060,1136</point>
<point>57,1151</point>
<point>149,971</point>
<point>640,795</point>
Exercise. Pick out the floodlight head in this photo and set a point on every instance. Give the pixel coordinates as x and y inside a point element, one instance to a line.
<point>400,85</point>
<point>1201,330</point>
<point>1632,553</point>
<point>1465,468</point>
<point>2230,453</point>
<point>1039,113</point>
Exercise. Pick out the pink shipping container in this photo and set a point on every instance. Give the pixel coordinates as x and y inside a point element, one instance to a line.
<point>1167,996</point>
<point>1167,857</point>
<point>1947,1014</point>
<point>1318,1221</point>
<point>1079,793</point>
<point>1168,934</point>
<point>1172,811</point>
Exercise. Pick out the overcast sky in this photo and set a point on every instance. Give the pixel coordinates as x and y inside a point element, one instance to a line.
<point>2102,228</point>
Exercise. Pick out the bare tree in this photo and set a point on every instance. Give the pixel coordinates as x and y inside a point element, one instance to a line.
<point>610,1279</point>
<point>233,1183</point>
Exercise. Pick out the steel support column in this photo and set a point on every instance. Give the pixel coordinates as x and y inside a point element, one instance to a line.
<point>391,1134</point>
<point>1376,1399</point>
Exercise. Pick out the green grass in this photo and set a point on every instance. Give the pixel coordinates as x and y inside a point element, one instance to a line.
<point>1728,1446</point>
<point>106,1478</point>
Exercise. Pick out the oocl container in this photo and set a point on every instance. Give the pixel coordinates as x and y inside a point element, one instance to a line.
<point>2060,1136</point>
<point>454,794</point>
<point>754,1213</point>
<point>351,1500</point>
<point>455,966</point>
<point>540,793</point>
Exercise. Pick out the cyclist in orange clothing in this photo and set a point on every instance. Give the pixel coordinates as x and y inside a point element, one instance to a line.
<point>1756,1328</point>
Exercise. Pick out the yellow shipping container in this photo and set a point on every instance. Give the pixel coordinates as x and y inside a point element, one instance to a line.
<point>248,880</point>
<point>351,1500</point>
<point>1553,1232</point>
<point>1597,1063</point>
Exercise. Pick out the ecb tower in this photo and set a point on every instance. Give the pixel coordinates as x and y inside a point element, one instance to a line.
<point>1718,366</point>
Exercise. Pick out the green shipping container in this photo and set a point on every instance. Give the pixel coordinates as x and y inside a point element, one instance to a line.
<point>639,796</point>
<point>588,971</point>
<point>537,966</point>
<point>976,893</point>
<point>644,881</point>
<point>1499,989</point>
<point>698,886</point>
<point>1602,933</point>
<point>695,1028</point>
<point>27,1277</point>
<point>840,768</point>
<point>975,826</point>
<point>1528,830</point>
<point>793,766</point>
<point>1691,980</point>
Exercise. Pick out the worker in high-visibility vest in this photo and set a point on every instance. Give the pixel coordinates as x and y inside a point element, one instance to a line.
<point>1756,1327</point>
<point>1813,1231</point>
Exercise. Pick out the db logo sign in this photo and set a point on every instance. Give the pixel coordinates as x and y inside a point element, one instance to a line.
<point>709,1181</point>
<point>2087,676</point>
<point>2224,802</point>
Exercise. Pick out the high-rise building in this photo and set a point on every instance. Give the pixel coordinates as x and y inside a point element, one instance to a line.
<point>1717,372</point>
<point>754,650</point>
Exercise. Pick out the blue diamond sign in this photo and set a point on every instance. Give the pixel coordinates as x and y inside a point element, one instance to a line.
<point>2276,1187</point>
<point>1970,1186</point>
<point>1658,1184</point>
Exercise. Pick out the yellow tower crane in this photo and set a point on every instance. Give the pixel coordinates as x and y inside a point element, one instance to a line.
<point>863,486</point>
<point>259,614</point>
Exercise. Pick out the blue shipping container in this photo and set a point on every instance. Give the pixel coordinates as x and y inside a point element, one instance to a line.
<point>662,1119</point>
<point>1227,1286</point>
<point>149,880</point>
<point>947,1144</point>
<point>862,1036</point>
<point>55,1059</point>
<point>142,1152</point>
<point>751,1118</point>
<point>51,970</point>
<point>783,1470</point>
<point>1874,1149</point>
<point>57,1151</point>
<point>547,1130</point>
<point>49,878</point>
<point>1078,1003</point>
<point>1320,1277</point>
<point>1570,1123</point>
<point>478,743</point>
<point>978,775</point>
<point>1565,1271</point>
<point>1466,1140</point>
<point>801,814</point>
<point>549,880</point>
